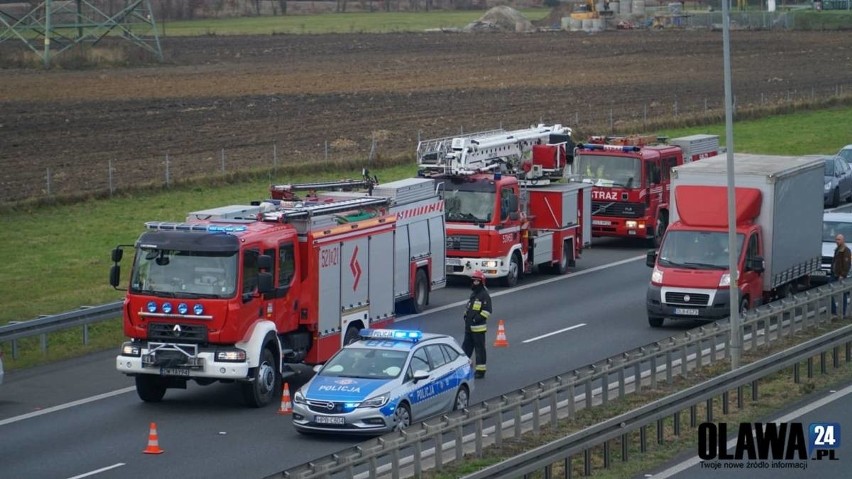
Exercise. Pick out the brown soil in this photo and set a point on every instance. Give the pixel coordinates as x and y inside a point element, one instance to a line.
<point>242,94</point>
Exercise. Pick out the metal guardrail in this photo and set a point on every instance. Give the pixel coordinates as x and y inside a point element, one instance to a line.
<point>85,316</point>
<point>544,457</point>
<point>435,442</point>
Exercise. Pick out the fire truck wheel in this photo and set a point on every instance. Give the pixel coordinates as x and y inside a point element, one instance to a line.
<point>421,293</point>
<point>655,322</point>
<point>659,230</point>
<point>150,388</point>
<point>562,266</point>
<point>260,391</point>
<point>514,275</point>
<point>352,335</point>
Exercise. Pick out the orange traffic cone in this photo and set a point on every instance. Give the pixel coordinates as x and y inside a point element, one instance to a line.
<point>153,442</point>
<point>501,341</point>
<point>286,405</point>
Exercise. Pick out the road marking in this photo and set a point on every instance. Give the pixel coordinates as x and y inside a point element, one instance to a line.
<point>695,460</point>
<point>555,332</point>
<point>525,287</point>
<point>98,471</point>
<point>60,407</point>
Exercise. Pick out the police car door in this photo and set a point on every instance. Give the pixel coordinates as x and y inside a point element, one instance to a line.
<point>421,396</point>
<point>443,380</point>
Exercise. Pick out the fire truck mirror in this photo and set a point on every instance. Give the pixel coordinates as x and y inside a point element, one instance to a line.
<point>264,262</point>
<point>117,254</point>
<point>264,282</point>
<point>114,275</point>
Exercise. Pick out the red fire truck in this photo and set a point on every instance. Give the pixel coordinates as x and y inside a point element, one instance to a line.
<point>506,216</point>
<point>238,293</point>
<point>632,177</point>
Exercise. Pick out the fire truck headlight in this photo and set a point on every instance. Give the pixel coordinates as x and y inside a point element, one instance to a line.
<point>630,224</point>
<point>231,355</point>
<point>725,280</point>
<point>489,264</point>
<point>657,275</point>
<point>130,349</point>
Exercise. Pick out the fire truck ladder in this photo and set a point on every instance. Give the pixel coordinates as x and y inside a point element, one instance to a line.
<point>431,152</point>
<point>325,208</point>
<point>342,185</point>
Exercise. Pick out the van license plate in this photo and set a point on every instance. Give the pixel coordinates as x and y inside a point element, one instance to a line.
<point>336,420</point>
<point>686,311</point>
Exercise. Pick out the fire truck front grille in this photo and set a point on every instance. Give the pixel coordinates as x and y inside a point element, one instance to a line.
<point>463,242</point>
<point>695,299</point>
<point>185,333</point>
<point>614,208</point>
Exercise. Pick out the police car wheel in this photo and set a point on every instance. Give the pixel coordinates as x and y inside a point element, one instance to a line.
<point>402,416</point>
<point>462,399</point>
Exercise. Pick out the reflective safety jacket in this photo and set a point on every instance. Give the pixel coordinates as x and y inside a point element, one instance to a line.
<point>478,311</point>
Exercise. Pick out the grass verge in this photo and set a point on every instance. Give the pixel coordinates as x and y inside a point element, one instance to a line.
<point>776,392</point>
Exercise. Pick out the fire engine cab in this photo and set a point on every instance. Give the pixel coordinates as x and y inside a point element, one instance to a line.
<point>239,293</point>
<point>507,212</point>
<point>632,180</point>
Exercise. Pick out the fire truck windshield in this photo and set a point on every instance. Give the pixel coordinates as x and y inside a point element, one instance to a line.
<point>175,273</point>
<point>697,249</point>
<point>602,170</point>
<point>470,202</point>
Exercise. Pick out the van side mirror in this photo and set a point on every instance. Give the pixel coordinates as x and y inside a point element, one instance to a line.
<point>756,264</point>
<point>651,258</point>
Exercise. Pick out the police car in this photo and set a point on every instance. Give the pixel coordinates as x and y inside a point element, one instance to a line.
<point>386,380</point>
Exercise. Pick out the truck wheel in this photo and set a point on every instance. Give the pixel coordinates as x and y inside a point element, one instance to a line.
<point>421,293</point>
<point>514,275</point>
<point>655,322</point>
<point>744,305</point>
<point>150,388</point>
<point>659,230</point>
<point>562,266</point>
<point>260,391</point>
<point>352,335</point>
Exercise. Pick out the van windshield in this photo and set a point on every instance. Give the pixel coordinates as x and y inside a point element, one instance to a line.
<point>697,249</point>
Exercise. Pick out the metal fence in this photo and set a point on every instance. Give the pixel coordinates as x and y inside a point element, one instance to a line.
<point>450,437</point>
<point>625,426</point>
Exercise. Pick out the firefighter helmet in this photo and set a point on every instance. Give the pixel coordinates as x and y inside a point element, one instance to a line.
<point>478,276</point>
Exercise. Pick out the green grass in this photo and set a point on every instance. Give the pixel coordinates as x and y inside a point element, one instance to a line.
<point>376,22</point>
<point>56,257</point>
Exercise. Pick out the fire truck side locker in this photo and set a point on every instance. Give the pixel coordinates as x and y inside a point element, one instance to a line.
<point>559,214</point>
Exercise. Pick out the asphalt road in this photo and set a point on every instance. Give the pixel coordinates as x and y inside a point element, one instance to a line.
<point>83,419</point>
<point>827,407</point>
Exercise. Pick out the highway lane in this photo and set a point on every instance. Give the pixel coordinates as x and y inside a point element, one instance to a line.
<point>206,430</point>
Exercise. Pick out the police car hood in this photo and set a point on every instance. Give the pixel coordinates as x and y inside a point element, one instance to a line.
<point>336,388</point>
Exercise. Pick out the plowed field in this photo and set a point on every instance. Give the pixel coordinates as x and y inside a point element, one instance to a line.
<point>242,94</point>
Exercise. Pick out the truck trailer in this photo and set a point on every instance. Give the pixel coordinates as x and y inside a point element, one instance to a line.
<point>779,236</point>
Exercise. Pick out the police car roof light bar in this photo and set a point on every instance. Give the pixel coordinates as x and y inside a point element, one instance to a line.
<point>395,334</point>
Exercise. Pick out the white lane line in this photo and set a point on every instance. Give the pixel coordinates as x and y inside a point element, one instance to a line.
<point>98,471</point>
<point>695,460</point>
<point>555,332</point>
<point>525,287</point>
<point>60,407</point>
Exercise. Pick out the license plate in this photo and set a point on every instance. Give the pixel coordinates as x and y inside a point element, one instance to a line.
<point>686,311</point>
<point>335,420</point>
<point>601,222</point>
<point>453,262</point>
<point>174,372</point>
<point>820,273</point>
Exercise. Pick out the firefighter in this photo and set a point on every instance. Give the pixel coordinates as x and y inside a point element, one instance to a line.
<point>475,322</point>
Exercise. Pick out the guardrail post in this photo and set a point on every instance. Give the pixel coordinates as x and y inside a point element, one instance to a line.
<point>587,462</point>
<point>835,357</point>
<point>810,367</point>
<point>637,377</point>
<point>15,350</point>
<point>417,458</point>
<point>668,367</point>
<point>571,395</point>
<point>654,371</point>
<point>625,446</point>
<point>548,471</point>
<point>85,334</point>
<point>606,453</point>
<point>395,463</point>
<point>709,414</point>
<point>459,441</point>
<point>518,420</point>
<point>822,359</point>
<point>848,352</point>
<point>498,428</point>
<point>479,434</point>
<point>536,419</point>
<point>439,449</point>
<point>605,388</point>
<point>569,463</point>
<point>43,343</point>
<point>725,400</point>
<point>676,424</point>
<point>661,428</point>
<point>754,390</point>
<point>693,416</point>
<point>643,439</point>
<point>683,358</point>
<point>588,393</point>
<point>554,405</point>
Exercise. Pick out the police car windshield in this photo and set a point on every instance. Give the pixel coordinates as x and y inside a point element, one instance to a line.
<point>366,363</point>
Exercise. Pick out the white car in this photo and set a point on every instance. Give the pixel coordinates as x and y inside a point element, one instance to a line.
<point>833,224</point>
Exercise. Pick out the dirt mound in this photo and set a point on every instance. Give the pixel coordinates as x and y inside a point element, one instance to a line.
<point>501,19</point>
